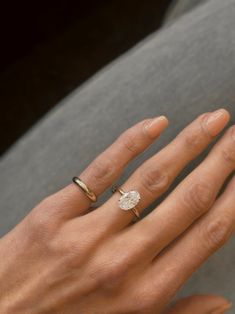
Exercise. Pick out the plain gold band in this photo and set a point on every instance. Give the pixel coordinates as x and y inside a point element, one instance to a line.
<point>90,194</point>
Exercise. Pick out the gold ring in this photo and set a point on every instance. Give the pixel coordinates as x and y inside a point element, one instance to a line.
<point>128,200</point>
<point>89,193</point>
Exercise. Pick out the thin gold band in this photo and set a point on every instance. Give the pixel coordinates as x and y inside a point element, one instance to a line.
<point>89,193</point>
<point>135,211</point>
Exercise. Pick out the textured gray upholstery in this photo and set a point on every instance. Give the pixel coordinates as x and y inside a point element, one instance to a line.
<point>181,71</point>
<point>179,7</point>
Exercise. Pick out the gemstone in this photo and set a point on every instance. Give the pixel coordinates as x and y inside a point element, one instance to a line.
<point>129,200</point>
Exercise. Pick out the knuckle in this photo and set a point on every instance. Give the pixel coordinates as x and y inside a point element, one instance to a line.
<point>228,155</point>
<point>199,198</point>
<point>39,227</point>
<point>68,252</point>
<point>132,139</point>
<point>195,138</point>
<point>109,274</point>
<point>216,232</point>
<point>151,296</point>
<point>228,152</point>
<point>129,141</point>
<point>102,168</point>
<point>146,305</point>
<point>192,141</point>
<point>41,221</point>
<point>155,180</point>
<point>114,272</point>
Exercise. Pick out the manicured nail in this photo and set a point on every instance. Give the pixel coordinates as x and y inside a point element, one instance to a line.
<point>222,309</point>
<point>155,126</point>
<point>216,121</point>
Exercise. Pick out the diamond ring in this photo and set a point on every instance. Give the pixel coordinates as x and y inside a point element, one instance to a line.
<point>128,200</point>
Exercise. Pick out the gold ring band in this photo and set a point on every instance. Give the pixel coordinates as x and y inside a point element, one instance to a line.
<point>89,193</point>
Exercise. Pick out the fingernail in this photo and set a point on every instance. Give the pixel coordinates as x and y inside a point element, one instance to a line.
<point>155,126</point>
<point>222,309</point>
<point>216,121</point>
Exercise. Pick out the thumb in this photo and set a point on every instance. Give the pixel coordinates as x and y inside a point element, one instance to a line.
<point>200,304</point>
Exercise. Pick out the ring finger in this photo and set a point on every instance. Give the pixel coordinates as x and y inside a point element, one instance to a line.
<point>180,259</point>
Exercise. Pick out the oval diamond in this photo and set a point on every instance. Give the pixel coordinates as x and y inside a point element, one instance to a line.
<point>129,200</point>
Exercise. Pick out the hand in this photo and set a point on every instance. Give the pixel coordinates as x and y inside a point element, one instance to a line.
<point>67,257</point>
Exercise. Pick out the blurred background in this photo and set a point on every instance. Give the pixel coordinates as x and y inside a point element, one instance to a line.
<point>48,48</point>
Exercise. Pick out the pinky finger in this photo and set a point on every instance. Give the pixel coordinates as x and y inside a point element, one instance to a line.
<point>185,255</point>
<point>200,304</point>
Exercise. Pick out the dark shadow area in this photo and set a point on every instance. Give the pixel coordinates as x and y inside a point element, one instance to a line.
<point>48,49</point>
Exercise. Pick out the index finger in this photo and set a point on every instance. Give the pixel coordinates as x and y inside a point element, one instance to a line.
<point>108,166</point>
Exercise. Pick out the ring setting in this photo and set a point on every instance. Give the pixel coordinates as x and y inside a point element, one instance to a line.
<point>128,200</point>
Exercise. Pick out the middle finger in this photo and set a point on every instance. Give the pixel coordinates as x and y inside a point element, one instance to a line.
<point>156,174</point>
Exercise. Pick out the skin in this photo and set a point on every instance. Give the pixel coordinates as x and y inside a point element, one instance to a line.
<point>66,256</point>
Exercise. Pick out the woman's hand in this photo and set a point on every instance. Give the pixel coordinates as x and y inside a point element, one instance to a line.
<point>66,257</point>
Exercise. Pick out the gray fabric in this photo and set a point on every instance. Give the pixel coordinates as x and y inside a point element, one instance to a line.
<point>181,71</point>
<point>180,7</point>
